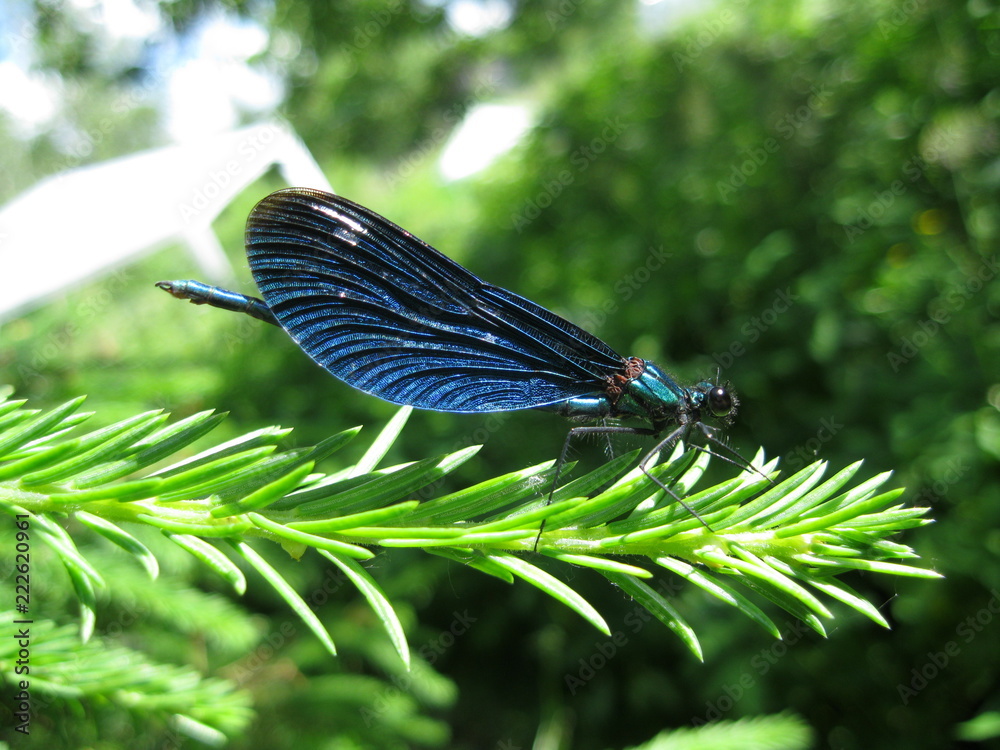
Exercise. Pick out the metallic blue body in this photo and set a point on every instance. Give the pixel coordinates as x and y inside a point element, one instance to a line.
<point>654,396</point>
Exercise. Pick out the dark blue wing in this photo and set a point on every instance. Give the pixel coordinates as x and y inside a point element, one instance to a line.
<point>391,316</point>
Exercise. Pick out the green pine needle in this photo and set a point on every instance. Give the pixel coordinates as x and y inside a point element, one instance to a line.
<point>63,666</point>
<point>785,543</point>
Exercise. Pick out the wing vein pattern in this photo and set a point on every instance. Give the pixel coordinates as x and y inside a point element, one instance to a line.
<point>391,316</point>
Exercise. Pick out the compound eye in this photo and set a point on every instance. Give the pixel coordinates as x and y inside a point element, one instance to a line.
<point>720,402</point>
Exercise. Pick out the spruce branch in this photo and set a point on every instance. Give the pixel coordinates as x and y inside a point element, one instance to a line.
<point>66,668</point>
<point>786,543</point>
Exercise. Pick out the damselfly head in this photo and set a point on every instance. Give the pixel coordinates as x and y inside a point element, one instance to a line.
<point>717,400</point>
<point>721,402</point>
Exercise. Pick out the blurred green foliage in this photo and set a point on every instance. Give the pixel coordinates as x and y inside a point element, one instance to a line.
<point>803,195</point>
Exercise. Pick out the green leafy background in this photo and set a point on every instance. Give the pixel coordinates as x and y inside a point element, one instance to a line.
<point>822,180</point>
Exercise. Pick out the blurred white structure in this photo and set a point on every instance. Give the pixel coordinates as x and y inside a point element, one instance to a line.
<point>80,224</point>
<point>487,133</point>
